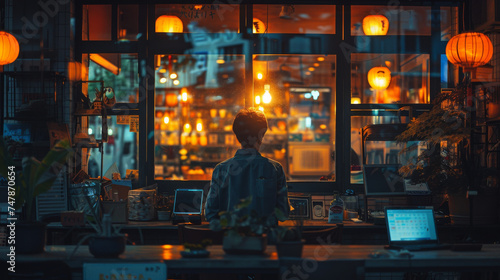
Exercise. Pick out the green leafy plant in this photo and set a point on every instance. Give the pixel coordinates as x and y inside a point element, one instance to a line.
<point>36,177</point>
<point>242,221</point>
<point>446,129</point>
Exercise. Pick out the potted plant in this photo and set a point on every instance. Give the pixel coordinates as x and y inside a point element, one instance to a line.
<point>244,231</point>
<point>448,165</point>
<point>289,241</point>
<point>36,177</point>
<point>196,250</point>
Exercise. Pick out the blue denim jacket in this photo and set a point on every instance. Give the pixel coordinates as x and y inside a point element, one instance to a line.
<point>247,174</point>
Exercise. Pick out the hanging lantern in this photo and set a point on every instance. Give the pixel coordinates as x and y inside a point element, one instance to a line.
<point>171,99</point>
<point>171,24</point>
<point>379,77</point>
<point>258,26</point>
<point>77,72</point>
<point>469,50</point>
<point>9,48</point>
<point>375,25</point>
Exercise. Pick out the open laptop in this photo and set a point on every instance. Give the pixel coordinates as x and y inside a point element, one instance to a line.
<point>188,205</point>
<point>413,229</point>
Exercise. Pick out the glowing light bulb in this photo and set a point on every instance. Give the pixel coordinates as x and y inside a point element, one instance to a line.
<point>184,96</point>
<point>176,82</point>
<point>90,130</point>
<point>315,94</point>
<point>257,99</point>
<point>311,69</point>
<point>110,131</point>
<point>163,80</point>
<point>199,127</point>
<point>173,76</point>
<point>266,97</point>
<point>261,108</point>
<point>259,76</point>
<point>220,60</point>
<point>187,128</point>
<point>163,70</point>
<point>355,100</point>
<point>316,64</point>
<point>321,58</point>
<point>166,120</point>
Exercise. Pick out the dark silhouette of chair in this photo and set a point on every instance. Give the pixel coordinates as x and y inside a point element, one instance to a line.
<point>196,234</point>
<point>332,235</point>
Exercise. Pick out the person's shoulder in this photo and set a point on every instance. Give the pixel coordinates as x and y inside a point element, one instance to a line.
<point>224,163</point>
<point>272,162</point>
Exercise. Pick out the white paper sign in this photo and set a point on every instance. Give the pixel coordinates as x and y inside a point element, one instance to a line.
<point>134,271</point>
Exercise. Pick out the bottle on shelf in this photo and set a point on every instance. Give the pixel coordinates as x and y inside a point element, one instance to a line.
<point>336,210</point>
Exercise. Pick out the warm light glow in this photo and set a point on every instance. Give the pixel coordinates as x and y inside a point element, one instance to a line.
<point>163,80</point>
<point>257,99</point>
<point>355,100</point>
<point>266,97</point>
<point>176,82</point>
<point>199,127</point>
<point>322,126</point>
<point>9,48</point>
<point>198,7</point>
<point>166,247</point>
<point>171,99</point>
<point>90,130</point>
<point>171,24</point>
<point>258,26</point>
<point>163,70</point>
<point>311,69</point>
<point>166,120</point>
<point>77,72</point>
<point>173,76</point>
<point>321,58</point>
<point>184,96</point>
<point>379,77</point>
<point>307,73</point>
<point>220,60</point>
<point>259,76</point>
<point>316,64</point>
<point>98,59</point>
<point>261,108</point>
<point>469,50</point>
<point>187,128</point>
<point>375,25</point>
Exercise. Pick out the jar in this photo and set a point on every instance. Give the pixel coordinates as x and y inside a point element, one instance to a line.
<point>141,205</point>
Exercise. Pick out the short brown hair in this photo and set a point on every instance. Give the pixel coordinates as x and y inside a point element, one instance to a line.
<point>249,126</point>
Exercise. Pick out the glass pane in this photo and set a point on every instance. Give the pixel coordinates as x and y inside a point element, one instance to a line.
<point>118,71</point>
<point>297,19</point>
<point>297,94</point>
<point>196,98</point>
<point>96,24</point>
<point>390,78</point>
<point>377,152</point>
<point>449,22</point>
<point>399,20</point>
<point>121,147</point>
<point>199,18</point>
<point>128,22</point>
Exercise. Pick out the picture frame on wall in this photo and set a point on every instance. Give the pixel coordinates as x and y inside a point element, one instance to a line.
<point>317,209</point>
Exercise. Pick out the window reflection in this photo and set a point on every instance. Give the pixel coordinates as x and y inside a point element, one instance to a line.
<point>390,78</point>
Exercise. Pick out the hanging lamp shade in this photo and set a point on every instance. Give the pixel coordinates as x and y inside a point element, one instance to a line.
<point>258,26</point>
<point>469,50</point>
<point>375,25</point>
<point>170,24</point>
<point>9,48</point>
<point>379,77</point>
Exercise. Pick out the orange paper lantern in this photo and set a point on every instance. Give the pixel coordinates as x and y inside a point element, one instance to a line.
<point>171,24</point>
<point>469,50</point>
<point>375,25</point>
<point>379,77</point>
<point>9,48</point>
<point>258,26</point>
<point>171,99</point>
<point>77,72</point>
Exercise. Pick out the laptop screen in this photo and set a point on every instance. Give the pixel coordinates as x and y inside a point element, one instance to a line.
<point>188,201</point>
<point>383,180</point>
<point>411,224</point>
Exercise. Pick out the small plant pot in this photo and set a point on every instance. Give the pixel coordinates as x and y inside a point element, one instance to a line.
<point>290,249</point>
<point>107,247</point>
<point>244,245</point>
